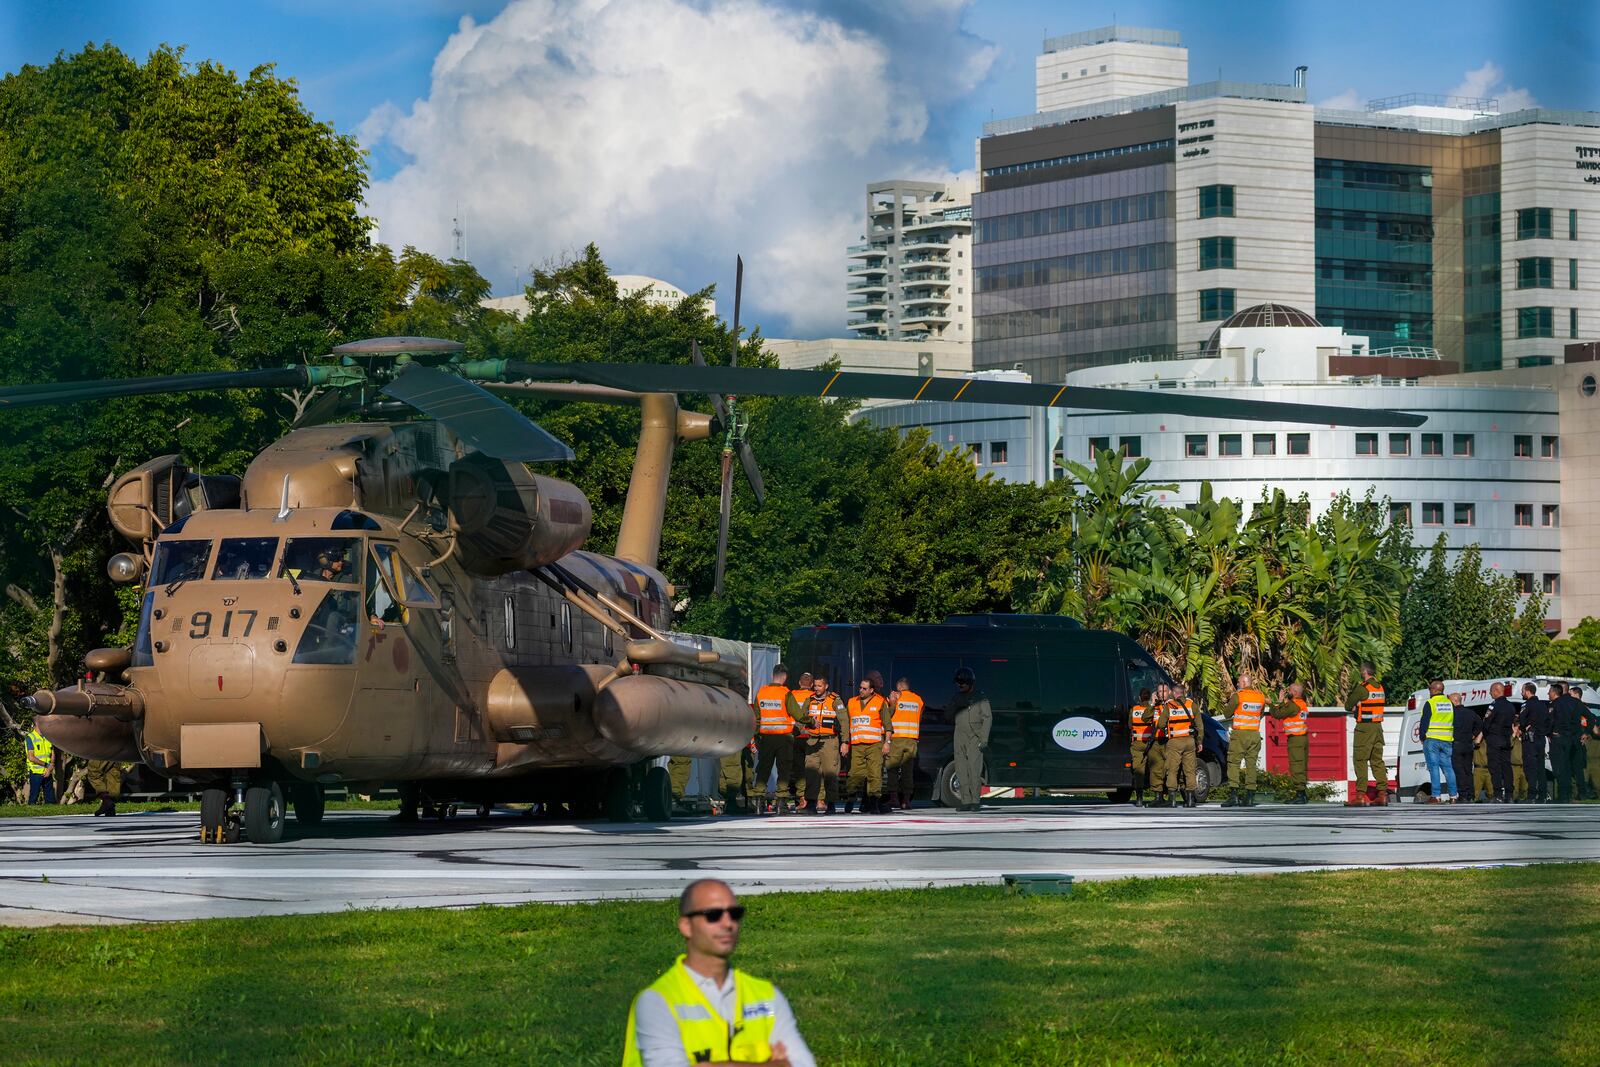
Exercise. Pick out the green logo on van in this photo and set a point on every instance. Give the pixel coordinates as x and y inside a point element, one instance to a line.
<point>1079,734</point>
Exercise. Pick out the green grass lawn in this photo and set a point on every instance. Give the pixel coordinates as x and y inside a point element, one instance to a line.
<point>1421,967</point>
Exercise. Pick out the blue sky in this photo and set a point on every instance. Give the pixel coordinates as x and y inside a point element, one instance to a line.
<point>370,68</point>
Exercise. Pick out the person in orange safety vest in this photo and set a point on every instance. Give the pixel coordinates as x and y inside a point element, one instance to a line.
<point>866,746</point>
<point>1244,744</point>
<point>1291,711</point>
<point>905,730</point>
<point>776,711</point>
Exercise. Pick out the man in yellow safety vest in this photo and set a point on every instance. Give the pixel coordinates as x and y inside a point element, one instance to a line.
<point>40,755</point>
<point>703,1010</point>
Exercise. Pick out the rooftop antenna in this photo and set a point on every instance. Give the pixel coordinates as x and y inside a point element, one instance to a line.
<point>460,237</point>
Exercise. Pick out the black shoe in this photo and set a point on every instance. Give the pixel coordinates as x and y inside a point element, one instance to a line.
<point>1249,799</point>
<point>1189,799</point>
<point>849,806</point>
<point>1300,798</point>
<point>1232,801</point>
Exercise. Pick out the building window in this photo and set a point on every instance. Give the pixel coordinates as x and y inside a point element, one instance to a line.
<point>1465,514</point>
<point>1535,322</point>
<point>1399,444</point>
<point>1535,273</point>
<point>1572,224</point>
<point>1194,445</point>
<point>1461,444</point>
<point>1230,444</point>
<point>1217,304</point>
<point>1549,446</point>
<point>1366,444</point>
<point>1216,201</point>
<point>1298,444</point>
<point>1433,514</point>
<point>1533,222</point>
<point>997,451</point>
<point>1550,515</point>
<point>1264,444</point>
<point>1130,447</point>
<point>1572,274</point>
<point>1524,582</point>
<point>975,450</point>
<point>1399,514</point>
<point>1552,585</point>
<point>1522,515</point>
<point>1522,446</point>
<point>1216,253</point>
<point>1572,323</point>
<point>1433,444</point>
<point>1098,445</point>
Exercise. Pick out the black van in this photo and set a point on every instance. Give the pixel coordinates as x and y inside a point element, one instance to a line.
<point>1060,693</point>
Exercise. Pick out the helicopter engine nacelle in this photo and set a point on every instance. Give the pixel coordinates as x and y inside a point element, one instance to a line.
<point>507,519</point>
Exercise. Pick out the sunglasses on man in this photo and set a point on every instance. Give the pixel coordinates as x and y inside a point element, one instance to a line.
<point>714,915</point>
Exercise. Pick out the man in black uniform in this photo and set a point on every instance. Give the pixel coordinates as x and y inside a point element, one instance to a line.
<point>1468,728</point>
<point>1566,750</point>
<point>1533,724</point>
<point>1497,726</point>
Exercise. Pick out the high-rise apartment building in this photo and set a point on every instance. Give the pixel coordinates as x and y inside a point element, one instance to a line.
<point>910,278</point>
<point>1110,227</point>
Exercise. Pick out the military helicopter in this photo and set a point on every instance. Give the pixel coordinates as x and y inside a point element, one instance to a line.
<point>403,600</point>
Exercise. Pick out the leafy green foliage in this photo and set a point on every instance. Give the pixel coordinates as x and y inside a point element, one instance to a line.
<point>1464,622</point>
<point>1211,594</point>
<point>1577,655</point>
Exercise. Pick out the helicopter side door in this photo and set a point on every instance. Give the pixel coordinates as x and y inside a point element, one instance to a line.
<point>389,684</point>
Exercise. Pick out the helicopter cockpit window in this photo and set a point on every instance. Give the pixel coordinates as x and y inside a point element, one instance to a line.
<point>179,561</point>
<point>383,603</point>
<point>320,559</point>
<point>141,638</point>
<point>416,592</point>
<point>245,558</point>
<point>330,636</point>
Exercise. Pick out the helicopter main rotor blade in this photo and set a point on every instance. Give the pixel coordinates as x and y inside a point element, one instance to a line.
<point>738,293</point>
<point>21,396</point>
<point>488,424</point>
<point>762,381</point>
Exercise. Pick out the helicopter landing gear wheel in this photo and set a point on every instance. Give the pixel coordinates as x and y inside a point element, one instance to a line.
<point>485,810</point>
<point>214,816</point>
<point>264,813</point>
<point>619,796</point>
<point>657,794</point>
<point>309,803</point>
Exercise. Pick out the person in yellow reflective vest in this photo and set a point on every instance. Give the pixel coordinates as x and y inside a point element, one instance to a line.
<point>703,1010</point>
<point>41,760</point>
<point>1292,714</point>
<point>905,729</point>
<point>1244,744</point>
<point>1437,730</point>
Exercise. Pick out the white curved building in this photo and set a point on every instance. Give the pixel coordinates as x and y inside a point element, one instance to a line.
<point>1485,469</point>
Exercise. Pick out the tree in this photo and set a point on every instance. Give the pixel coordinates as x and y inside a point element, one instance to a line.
<point>1578,654</point>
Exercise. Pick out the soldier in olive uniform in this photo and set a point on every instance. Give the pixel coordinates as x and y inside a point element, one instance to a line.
<point>105,778</point>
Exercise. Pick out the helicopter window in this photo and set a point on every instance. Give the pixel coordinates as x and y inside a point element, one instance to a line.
<point>180,561</point>
<point>354,520</point>
<point>141,638</point>
<point>330,636</point>
<point>417,594</point>
<point>383,606</point>
<point>320,559</point>
<point>511,621</point>
<point>566,626</point>
<point>244,558</point>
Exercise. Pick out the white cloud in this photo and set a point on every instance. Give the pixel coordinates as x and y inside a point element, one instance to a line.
<point>673,133</point>
<point>1489,81</point>
<point>1349,100</point>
